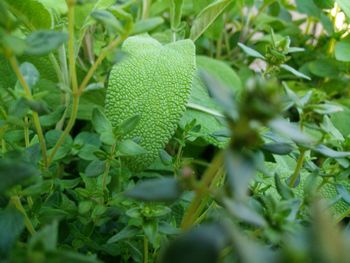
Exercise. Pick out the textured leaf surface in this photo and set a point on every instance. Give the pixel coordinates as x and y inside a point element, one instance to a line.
<point>154,81</point>
<point>338,206</point>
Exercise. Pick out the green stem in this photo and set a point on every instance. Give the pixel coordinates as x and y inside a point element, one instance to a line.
<point>70,124</point>
<point>297,170</point>
<point>15,67</point>
<point>146,5</point>
<point>219,45</point>
<point>77,91</point>
<point>26,132</point>
<point>116,42</point>
<point>145,249</point>
<point>108,167</point>
<point>209,175</point>
<point>71,39</point>
<point>16,201</point>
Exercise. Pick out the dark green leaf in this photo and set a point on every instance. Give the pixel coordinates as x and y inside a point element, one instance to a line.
<point>166,189</point>
<point>278,148</point>
<point>127,232</point>
<point>95,168</point>
<point>108,19</point>
<point>330,152</point>
<point>129,124</point>
<point>284,191</point>
<point>41,43</point>
<point>130,148</point>
<point>243,212</point>
<point>203,244</point>
<point>11,226</point>
<point>13,172</point>
<point>100,122</point>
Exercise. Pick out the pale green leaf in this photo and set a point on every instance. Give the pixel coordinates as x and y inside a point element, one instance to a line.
<point>250,52</point>
<point>206,17</point>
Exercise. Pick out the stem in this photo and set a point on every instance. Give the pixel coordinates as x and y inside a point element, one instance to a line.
<point>71,57</point>
<point>15,67</point>
<point>16,201</point>
<point>65,83</point>
<point>80,90</point>
<point>146,4</point>
<point>198,107</point>
<point>300,163</point>
<point>219,46</point>
<point>99,60</point>
<point>68,128</point>
<point>26,132</point>
<point>108,167</point>
<point>190,214</point>
<point>77,91</point>
<point>308,25</point>
<point>145,249</point>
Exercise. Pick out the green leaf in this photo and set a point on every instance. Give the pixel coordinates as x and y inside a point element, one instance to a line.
<point>284,191</point>
<point>202,244</point>
<point>108,19</point>
<point>83,18</point>
<point>308,7</point>
<point>341,121</point>
<point>326,151</point>
<point>147,25</point>
<point>278,148</point>
<point>295,72</point>
<point>11,226</point>
<point>45,238</point>
<point>290,130</point>
<point>323,68</point>
<point>34,13</point>
<point>95,168</point>
<point>157,190</point>
<point>100,122</point>
<point>148,92</point>
<point>127,232</point>
<point>344,193</point>
<point>210,127</point>
<point>345,6</point>
<point>130,148</point>
<point>244,213</point>
<point>42,42</point>
<point>203,108</point>
<point>206,17</point>
<point>30,73</point>
<point>165,157</point>
<point>240,171</point>
<point>326,108</point>
<point>13,172</point>
<point>175,13</point>
<point>129,124</point>
<point>52,118</point>
<point>342,51</point>
<point>13,43</point>
<point>58,6</point>
<point>250,52</point>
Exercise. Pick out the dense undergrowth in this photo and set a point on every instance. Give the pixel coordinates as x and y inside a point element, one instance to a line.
<point>174,131</point>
